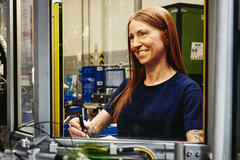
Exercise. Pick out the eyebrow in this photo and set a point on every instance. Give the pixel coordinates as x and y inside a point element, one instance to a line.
<point>140,30</point>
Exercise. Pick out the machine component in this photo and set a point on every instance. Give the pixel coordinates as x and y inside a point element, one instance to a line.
<point>32,153</point>
<point>101,98</point>
<point>179,151</point>
<point>136,149</point>
<point>53,147</point>
<point>25,143</point>
<point>113,149</point>
<point>108,149</point>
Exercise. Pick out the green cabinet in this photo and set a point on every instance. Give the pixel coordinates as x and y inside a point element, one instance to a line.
<point>189,22</point>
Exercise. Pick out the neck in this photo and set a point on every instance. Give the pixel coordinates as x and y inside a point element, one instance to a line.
<point>158,74</point>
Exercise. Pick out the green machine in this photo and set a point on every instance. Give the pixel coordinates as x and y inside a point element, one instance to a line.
<point>189,22</point>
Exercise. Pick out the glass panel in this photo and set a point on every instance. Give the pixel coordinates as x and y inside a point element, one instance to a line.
<point>3,18</point>
<point>96,28</point>
<point>26,69</point>
<point>95,40</point>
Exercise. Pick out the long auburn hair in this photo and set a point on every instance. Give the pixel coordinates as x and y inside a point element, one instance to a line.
<point>161,19</point>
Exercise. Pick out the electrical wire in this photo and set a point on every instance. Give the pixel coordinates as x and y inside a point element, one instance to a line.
<point>54,137</point>
<point>129,148</point>
<point>16,154</point>
<point>69,150</point>
<point>74,152</point>
<point>141,149</point>
<point>147,152</point>
<point>31,125</point>
<point>34,125</point>
<point>3,79</point>
<point>16,145</point>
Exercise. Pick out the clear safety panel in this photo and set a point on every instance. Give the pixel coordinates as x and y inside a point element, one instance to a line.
<point>25,63</point>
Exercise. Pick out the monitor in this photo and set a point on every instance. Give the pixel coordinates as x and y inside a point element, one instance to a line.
<point>114,77</point>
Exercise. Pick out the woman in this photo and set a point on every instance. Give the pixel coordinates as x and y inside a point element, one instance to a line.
<point>159,101</point>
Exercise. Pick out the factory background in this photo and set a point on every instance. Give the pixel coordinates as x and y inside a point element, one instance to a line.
<point>100,26</point>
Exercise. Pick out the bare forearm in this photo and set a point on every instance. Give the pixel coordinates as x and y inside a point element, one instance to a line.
<point>99,123</point>
<point>195,136</point>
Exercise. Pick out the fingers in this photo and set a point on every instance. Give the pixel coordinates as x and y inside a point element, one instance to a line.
<point>75,123</point>
<point>75,129</point>
<point>74,132</point>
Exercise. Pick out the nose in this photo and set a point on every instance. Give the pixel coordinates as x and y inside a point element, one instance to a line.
<point>135,44</point>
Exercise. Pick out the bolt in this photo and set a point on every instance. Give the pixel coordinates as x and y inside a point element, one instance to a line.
<point>189,154</point>
<point>198,154</point>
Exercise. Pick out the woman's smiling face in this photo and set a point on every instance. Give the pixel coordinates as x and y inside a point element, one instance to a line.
<point>146,42</point>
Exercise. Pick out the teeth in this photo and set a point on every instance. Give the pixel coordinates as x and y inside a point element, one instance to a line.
<point>141,52</point>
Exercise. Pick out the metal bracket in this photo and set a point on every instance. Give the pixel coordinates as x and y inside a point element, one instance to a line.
<point>196,152</point>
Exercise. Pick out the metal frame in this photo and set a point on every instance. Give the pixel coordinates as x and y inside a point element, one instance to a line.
<point>42,64</point>
<point>220,74</point>
<point>10,68</point>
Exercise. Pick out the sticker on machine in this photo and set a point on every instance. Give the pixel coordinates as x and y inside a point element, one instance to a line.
<point>99,83</point>
<point>99,68</point>
<point>25,81</point>
<point>197,51</point>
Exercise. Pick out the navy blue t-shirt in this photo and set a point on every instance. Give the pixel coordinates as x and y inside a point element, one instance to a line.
<point>165,111</point>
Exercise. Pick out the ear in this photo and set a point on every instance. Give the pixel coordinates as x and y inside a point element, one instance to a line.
<point>166,37</point>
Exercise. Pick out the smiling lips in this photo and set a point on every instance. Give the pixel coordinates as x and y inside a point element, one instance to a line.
<point>142,52</point>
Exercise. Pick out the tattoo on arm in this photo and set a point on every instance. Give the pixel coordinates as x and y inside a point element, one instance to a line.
<point>92,132</point>
<point>99,123</point>
<point>195,135</point>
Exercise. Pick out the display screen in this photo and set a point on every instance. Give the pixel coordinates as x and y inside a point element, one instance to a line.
<point>114,77</point>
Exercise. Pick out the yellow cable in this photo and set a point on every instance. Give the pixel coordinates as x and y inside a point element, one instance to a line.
<point>148,152</point>
<point>106,150</point>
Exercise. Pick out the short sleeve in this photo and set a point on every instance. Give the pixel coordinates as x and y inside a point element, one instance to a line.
<point>110,109</point>
<point>193,107</point>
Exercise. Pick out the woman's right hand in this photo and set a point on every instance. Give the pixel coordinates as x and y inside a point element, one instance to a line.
<point>94,127</point>
<point>75,129</point>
